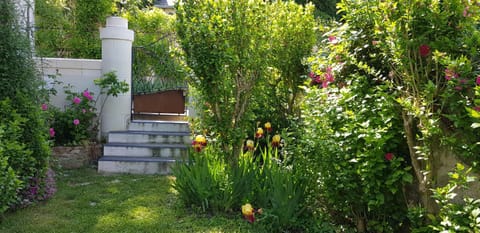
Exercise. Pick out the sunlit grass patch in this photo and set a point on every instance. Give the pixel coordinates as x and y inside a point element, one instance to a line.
<point>90,202</point>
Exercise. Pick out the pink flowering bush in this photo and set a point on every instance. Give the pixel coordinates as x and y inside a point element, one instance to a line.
<point>77,122</point>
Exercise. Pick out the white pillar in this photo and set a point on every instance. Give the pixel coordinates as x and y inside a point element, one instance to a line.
<point>117,56</point>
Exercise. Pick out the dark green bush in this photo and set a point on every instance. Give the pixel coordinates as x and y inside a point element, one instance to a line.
<point>13,155</point>
<point>21,90</point>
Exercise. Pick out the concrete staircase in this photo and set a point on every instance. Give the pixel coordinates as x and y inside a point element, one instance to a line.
<point>147,147</point>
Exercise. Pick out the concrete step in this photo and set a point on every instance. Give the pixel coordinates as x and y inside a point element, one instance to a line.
<point>135,165</point>
<point>165,126</point>
<point>134,136</point>
<point>145,150</point>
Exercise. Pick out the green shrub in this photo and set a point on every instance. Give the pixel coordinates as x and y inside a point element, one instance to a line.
<point>70,28</point>
<point>74,124</point>
<point>456,215</point>
<point>78,122</point>
<point>13,156</point>
<point>352,142</point>
<point>21,90</point>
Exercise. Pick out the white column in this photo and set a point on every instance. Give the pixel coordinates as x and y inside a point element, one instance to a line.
<point>117,56</point>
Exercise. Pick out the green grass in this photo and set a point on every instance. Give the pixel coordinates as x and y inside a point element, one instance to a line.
<point>90,202</point>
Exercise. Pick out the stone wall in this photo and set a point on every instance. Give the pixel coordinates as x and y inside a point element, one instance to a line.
<point>76,156</point>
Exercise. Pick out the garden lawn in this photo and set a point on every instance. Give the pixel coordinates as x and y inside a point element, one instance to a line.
<point>90,202</point>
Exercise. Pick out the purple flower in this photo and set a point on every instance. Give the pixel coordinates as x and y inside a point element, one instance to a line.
<point>477,81</point>
<point>76,100</point>
<point>44,107</point>
<point>76,122</point>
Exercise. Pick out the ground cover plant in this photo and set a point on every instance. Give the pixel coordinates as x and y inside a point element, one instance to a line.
<point>89,202</point>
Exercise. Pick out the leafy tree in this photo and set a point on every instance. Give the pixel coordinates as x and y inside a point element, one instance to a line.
<point>227,47</point>
<point>293,36</point>
<point>426,55</point>
<point>246,57</point>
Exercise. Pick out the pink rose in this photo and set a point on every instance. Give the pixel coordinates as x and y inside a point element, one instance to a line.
<point>44,107</point>
<point>76,122</point>
<point>76,100</point>
<point>51,131</point>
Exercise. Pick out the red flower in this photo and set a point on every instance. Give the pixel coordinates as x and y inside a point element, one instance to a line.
<point>477,81</point>
<point>389,156</point>
<point>424,50</point>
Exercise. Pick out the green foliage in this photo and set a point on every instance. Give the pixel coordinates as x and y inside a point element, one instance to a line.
<point>78,122</point>
<point>232,49</point>
<point>88,17</point>
<point>205,181</point>
<point>202,182</point>
<point>225,45</point>
<point>323,8</point>
<point>14,157</point>
<point>353,146</point>
<point>87,201</point>
<point>70,28</point>
<point>20,88</point>
<point>292,34</point>
<point>426,54</point>
<point>455,215</point>
<point>110,85</point>
<point>157,64</point>
<point>53,28</point>
<point>67,130</point>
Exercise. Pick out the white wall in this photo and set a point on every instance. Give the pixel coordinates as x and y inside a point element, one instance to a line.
<point>79,73</point>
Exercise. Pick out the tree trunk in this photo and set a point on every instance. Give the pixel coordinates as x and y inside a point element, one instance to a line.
<point>424,179</point>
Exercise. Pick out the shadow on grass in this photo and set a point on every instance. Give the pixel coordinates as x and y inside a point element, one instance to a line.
<point>91,202</point>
